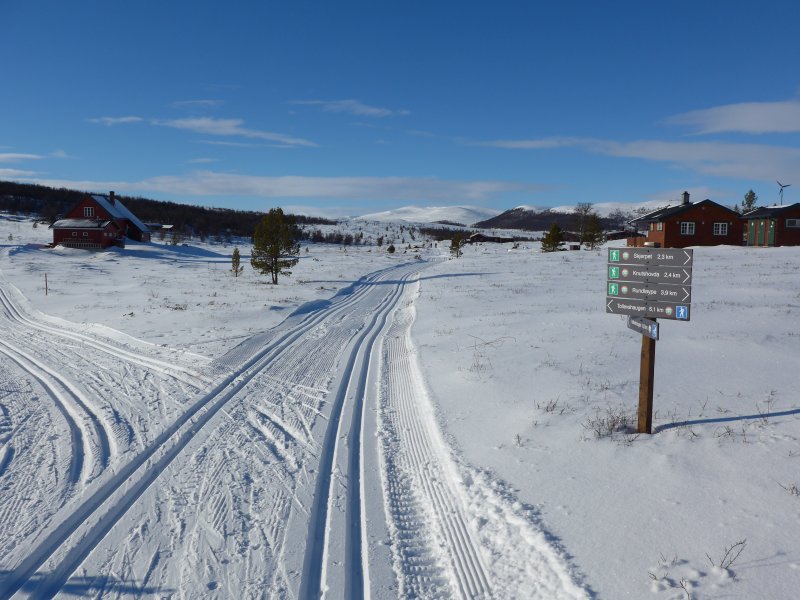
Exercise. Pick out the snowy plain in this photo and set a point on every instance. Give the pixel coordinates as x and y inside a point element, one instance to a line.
<point>497,376</point>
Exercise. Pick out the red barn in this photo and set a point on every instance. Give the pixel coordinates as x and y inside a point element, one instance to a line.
<point>773,226</point>
<point>703,223</point>
<point>98,222</point>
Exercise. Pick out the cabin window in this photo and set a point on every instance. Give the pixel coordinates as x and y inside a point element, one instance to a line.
<point>687,227</point>
<point>659,227</point>
<point>88,211</point>
<point>74,234</point>
<point>720,229</point>
<point>85,234</point>
<point>652,227</point>
<point>794,223</point>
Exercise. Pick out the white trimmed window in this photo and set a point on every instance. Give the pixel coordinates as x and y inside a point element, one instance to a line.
<point>74,234</point>
<point>88,211</point>
<point>794,223</point>
<point>687,227</point>
<point>720,229</point>
<point>659,227</point>
<point>85,234</point>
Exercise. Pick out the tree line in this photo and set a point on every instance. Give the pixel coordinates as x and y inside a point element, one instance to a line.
<point>51,203</point>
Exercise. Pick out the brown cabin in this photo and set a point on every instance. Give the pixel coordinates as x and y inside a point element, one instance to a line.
<point>773,226</point>
<point>704,223</point>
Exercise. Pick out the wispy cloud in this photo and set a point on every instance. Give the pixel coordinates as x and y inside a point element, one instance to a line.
<point>196,103</point>
<point>741,161</point>
<point>109,121</point>
<point>211,183</point>
<point>200,161</point>
<point>232,128</point>
<point>353,107</point>
<point>61,154</point>
<point>13,173</point>
<point>12,157</point>
<point>746,117</point>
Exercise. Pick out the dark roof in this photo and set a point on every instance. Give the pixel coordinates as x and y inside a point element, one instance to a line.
<point>763,212</point>
<point>674,211</point>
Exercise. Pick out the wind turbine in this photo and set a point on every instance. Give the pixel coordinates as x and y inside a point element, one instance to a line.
<point>782,186</point>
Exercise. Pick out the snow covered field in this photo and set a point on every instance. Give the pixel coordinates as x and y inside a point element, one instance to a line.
<point>386,426</point>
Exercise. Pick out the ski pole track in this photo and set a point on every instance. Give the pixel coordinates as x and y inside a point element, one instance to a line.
<point>89,524</point>
<point>349,570</point>
<point>186,375</point>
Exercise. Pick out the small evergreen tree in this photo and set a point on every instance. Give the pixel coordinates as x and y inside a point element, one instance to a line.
<point>275,245</point>
<point>749,202</point>
<point>593,234</point>
<point>236,268</point>
<point>390,249</point>
<point>552,239</point>
<point>457,245</point>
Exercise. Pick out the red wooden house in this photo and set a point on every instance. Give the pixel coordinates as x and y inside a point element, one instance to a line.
<point>773,226</point>
<point>703,223</point>
<point>98,222</point>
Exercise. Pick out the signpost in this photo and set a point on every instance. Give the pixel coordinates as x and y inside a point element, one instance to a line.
<point>648,284</point>
<point>647,327</point>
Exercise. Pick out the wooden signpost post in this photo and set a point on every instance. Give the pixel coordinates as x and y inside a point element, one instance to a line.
<point>646,284</point>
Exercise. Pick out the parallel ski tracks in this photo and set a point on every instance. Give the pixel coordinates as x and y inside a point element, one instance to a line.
<point>80,531</point>
<point>186,375</point>
<point>341,458</point>
<point>91,442</point>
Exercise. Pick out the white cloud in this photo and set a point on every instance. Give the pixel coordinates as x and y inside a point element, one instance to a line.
<point>353,107</point>
<point>11,157</point>
<point>210,183</point>
<point>12,173</point>
<point>199,161</point>
<point>740,161</point>
<point>746,117</point>
<point>109,121</point>
<point>534,144</point>
<point>230,127</point>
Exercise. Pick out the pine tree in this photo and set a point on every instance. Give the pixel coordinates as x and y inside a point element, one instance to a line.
<point>750,199</point>
<point>593,234</point>
<point>235,263</point>
<point>275,245</point>
<point>457,245</point>
<point>552,239</point>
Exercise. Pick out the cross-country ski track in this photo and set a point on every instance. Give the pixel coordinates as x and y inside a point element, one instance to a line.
<point>306,462</point>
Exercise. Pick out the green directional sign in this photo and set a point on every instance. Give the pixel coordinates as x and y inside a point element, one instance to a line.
<point>613,289</point>
<point>613,255</point>
<point>613,272</point>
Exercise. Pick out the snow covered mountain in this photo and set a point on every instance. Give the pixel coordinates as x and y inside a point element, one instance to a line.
<point>466,215</point>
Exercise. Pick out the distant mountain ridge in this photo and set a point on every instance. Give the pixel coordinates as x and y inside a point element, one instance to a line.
<point>466,215</point>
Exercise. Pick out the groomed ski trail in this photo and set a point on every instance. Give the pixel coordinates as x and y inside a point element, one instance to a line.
<point>453,535</point>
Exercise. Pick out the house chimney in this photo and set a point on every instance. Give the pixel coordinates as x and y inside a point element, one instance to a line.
<point>685,197</point>
<point>111,197</point>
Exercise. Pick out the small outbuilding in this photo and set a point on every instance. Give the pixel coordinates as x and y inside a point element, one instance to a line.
<point>773,226</point>
<point>704,223</point>
<point>87,233</point>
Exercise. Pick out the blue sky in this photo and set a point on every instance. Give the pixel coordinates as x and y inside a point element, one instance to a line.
<point>351,107</point>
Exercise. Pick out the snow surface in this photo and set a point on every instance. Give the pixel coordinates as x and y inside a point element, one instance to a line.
<point>390,426</point>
